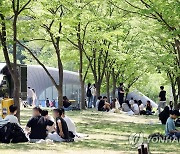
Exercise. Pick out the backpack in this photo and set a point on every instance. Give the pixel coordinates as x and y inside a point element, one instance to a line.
<point>156,136</point>
<point>71,135</point>
<point>177,122</point>
<point>89,94</point>
<point>12,133</point>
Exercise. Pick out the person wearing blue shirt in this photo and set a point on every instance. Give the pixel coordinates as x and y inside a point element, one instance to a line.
<point>170,128</point>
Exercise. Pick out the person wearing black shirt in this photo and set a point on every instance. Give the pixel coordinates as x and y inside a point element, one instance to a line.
<point>148,108</point>
<point>89,95</point>
<point>36,126</point>
<point>66,102</point>
<point>47,102</point>
<point>162,99</point>
<point>62,133</point>
<point>104,105</point>
<point>164,115</point>
<point>121,94</point>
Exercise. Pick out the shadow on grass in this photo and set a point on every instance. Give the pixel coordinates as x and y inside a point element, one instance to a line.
<point>103,134</point>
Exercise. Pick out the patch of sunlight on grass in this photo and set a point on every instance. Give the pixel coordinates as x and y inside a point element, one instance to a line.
<point>105,133</point>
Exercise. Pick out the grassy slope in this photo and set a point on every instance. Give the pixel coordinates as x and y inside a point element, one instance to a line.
<point>108,133</point>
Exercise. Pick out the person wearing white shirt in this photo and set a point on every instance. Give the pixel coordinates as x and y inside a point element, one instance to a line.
<point>131,102</point>
<point>94,94</point>
<point>141,108</point>
<point>69,122</point>
<point>135,107</point>
<point>11,117</point>
<point>30,94</point>
<point>34,98</point>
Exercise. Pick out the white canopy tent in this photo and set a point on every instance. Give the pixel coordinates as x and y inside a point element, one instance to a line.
<point>39,80</point>
<point>139,96</point>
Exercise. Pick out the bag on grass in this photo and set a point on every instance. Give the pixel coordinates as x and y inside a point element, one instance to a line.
<point>177,122</point>
<point>156,136</point>
<point>12,133</point>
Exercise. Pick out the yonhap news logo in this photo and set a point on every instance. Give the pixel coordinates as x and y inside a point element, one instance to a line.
<point>136,139</point>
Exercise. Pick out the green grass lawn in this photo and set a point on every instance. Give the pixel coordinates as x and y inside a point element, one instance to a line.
<point>108,133</point>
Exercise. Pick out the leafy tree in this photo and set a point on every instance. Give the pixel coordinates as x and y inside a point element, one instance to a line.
<point>52,28</point>
<point>9,14</point>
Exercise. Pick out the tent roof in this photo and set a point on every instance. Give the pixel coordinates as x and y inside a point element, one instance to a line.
<point>39,80</point>
<point>139,96</point>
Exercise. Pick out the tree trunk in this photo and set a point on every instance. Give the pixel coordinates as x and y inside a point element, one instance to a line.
<point>16,96</point>
<point>175,97</point>
<point>98,89</point>
<point>178,85</point>
<point>173,86</point>
<point>107,87</point>
<point>177,44</point>
<point>82,105</point>
<point>60,96</point>
<point>60,86</point>
<point>114,84</point>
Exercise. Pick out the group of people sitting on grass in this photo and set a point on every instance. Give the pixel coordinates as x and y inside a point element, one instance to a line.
<point>132,107</point>
<point>41,126</point>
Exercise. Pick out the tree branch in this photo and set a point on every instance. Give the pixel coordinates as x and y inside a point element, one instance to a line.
<point>26,4</point>
<point>40,63</point>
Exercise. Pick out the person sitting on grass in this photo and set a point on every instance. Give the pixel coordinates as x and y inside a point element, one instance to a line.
<point>170,129</point>
<point>104,105</point>
<point>46,115</point>
<point>66,103</point>
<point>131,102</point>
<point>135,107</point>
<point>36,126</point>
<point>148,108</point>
<point>141,108</point>
<point>164,115</point>
<point>62,133</point>
<point>126,107</point>
<point>97,102</point>
<point>115,104</point>
<point>11,117</point>
<point>70,124</point>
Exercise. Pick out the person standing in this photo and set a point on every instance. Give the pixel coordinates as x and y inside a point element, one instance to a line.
<point>121,94</point>
<point>34,98</point>
<point>30,96</point>
<point>89,95</point>
<point>47,102</point>
<point>162,99</point>
<point>94,94</point>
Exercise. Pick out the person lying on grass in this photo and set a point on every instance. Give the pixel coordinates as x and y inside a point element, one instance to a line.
<point>36,126</point>
<point>170,129</point>
<point>62,133</point>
